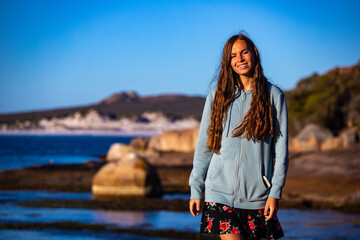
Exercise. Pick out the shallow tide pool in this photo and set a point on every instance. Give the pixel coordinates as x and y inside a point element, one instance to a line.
<point>296,223</point>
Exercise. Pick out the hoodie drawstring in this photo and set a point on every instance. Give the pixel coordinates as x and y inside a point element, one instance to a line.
<point>234,96</point>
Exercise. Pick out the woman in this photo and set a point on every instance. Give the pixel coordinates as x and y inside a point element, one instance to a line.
<point>243,173</point>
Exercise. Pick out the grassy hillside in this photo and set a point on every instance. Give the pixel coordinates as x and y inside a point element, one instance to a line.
<point>331,100</point>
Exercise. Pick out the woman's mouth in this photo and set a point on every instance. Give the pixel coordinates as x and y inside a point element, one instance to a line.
<point>242,66</point>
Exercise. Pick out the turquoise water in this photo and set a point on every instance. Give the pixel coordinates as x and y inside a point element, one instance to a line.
<point>297,224</point>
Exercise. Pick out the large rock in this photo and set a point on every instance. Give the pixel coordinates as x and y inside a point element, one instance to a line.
<point>332,143</point>
<point>118,151</point>
<point>347,138</point>
<point>310,138</point>
<point>350,136</point>
<point>128,176</point>
<point>140,143</point>
<point>175,140</point>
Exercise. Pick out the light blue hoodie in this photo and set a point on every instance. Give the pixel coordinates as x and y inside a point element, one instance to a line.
<point>235,176</point>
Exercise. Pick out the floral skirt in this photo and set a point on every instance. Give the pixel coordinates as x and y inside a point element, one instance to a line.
<point>218,218</point>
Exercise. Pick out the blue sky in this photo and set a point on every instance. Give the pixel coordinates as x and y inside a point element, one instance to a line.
<point>71,53</point>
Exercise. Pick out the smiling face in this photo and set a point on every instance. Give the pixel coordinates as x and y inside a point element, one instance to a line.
<point>242,59</point>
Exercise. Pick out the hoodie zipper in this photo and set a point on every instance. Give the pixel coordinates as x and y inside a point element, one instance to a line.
<point>237,173</point>
<point>239,163</point>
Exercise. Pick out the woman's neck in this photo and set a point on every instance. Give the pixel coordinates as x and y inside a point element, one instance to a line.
<point>247,83</point>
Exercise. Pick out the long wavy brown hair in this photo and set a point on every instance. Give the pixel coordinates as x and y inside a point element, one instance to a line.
<point>258,122</point>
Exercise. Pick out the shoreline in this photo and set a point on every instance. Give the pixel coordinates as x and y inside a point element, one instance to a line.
<point>78,133</point>
<point>78,178</point>
<point>328,179</point>
<point>174,205</point>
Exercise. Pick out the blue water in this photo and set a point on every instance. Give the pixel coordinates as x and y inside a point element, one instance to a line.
<point>55,234</point>
<point>297,224</point>
<point>17,151</point>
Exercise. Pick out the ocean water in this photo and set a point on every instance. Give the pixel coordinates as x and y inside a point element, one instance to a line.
<point>55,234</point>
<point>17,151</point>
<point>296,223</point>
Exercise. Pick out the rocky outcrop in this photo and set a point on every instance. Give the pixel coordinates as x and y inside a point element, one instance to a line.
<point>325,179</point>
<point>148,122</point>
<point>91,120</point>
<point>129,176</point>
<point>332,143</point>
<point>350,136</point>
<point>140,143</point>
<point>310,138</point>
<point>121,97</point>
<point>118,151</point>
<point>337,163</point>
<point>315,138</point>
<point>347,138</point>
<point>177,141</point>
<point>331,99</point>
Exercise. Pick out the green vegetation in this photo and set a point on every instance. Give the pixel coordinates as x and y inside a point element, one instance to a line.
<point>330,100</point>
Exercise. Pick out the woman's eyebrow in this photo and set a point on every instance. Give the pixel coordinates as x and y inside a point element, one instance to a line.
<point>240,51</point>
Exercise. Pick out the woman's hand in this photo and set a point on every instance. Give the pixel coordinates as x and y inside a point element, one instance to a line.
<point>271,207</point>
<point>194,206</point>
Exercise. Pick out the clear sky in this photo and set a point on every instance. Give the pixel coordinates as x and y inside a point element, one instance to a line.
<point>63,53</point>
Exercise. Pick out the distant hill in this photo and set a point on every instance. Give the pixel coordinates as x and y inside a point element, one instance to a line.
<point>123,104</point>
<point>331,100</point>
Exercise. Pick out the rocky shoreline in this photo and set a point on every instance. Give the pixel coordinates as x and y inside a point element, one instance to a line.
<point>78,177</point>
<point>334,185</point>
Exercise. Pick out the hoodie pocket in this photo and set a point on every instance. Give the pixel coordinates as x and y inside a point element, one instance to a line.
<point>252,186</point>
<point>223,181</point>
<point>215,167</point>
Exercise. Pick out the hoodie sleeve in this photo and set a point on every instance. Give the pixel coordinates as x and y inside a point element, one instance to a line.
<point>281,152</point>
<point>202,155</point>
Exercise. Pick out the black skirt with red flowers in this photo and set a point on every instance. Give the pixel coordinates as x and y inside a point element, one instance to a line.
<point>218,218</point>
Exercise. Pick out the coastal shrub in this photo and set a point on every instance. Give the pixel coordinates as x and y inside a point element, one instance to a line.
<point>328,100</point>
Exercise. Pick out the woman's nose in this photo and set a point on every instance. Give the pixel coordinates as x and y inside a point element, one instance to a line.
<point>240,58</point>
